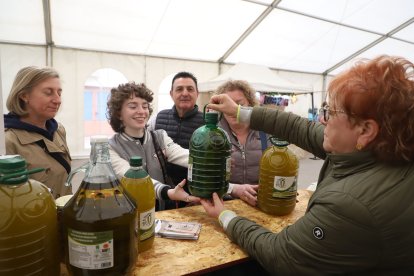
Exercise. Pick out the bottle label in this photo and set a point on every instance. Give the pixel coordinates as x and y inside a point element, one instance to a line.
<point>284,186</point>
<point>228,168</point>
<point>190,169</point>
<point>91,250</point>
<point>146,224</point>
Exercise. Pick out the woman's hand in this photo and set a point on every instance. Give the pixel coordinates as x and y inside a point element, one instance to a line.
<point>246,192</point>
<point>213,206</point>
<point>178,193</point>
<point>224,104</point>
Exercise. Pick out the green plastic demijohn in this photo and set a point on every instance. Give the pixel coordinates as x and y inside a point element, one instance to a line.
<point>278,179</point>
<point>209,162</point>
<point>28,222</point>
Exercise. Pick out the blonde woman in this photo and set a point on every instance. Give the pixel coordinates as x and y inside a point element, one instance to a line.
<point>32,131</point>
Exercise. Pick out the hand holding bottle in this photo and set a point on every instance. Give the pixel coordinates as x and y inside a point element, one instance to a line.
<point>246,192</point>
<point>178,193</point>
<point>223,103</point>
<point>214,206</point>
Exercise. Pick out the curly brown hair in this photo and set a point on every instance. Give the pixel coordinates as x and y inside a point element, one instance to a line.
<point>381,89</point>
<point>241,85</point>
<point>119,95</point>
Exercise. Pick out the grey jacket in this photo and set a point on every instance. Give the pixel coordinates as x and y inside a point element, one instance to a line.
<point>359,221</point>
<point>122,147</point>
<point>245,159</point>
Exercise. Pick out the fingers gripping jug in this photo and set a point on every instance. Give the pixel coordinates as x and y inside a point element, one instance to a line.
<point>99,221</point>
<point>28,222</point>
<point>278,179</point>
<point>209,162</point>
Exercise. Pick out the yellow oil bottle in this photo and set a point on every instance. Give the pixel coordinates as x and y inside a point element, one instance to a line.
<point>139,186</point>
<point>279,169</point>
<point>28,222</point>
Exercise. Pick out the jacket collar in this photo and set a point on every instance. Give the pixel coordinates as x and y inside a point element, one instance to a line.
<point>188,114</point>
<point>13,121</point>
<point>127,137</point>
<point>351,163</point>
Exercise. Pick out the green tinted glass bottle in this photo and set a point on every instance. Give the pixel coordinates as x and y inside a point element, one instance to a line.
<point>278,179</point>
<point>209,162</point>
<point>139,186</point>
<point>99,221</point>
<point>28,222</point>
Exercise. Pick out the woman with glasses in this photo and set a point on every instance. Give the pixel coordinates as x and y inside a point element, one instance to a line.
<point>360,218</point>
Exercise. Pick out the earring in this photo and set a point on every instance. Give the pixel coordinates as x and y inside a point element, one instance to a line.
<point>359,147</point>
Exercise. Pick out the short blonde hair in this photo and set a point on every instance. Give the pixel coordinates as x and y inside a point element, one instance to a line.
<point>241,85</point>
<point>25,80</point>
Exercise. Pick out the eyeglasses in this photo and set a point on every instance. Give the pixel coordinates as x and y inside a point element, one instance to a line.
<point>327,112</point>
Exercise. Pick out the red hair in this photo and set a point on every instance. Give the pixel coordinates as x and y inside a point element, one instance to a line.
<point>381,89</point>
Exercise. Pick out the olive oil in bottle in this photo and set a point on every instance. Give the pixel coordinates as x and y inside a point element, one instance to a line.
<point>139,186</point>
<point>99,221</point>
<point>278,179</point>
<point>209,162</point>
<point>28,222</point>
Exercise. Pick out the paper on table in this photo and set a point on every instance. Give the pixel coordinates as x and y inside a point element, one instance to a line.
<point>177,229</point>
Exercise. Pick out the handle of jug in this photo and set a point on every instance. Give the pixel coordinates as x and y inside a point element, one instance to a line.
<point>204,113</point>
<point>83,168</point>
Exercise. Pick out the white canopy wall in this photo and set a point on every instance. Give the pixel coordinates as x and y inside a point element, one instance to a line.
<point>303,41</point>
<point>259,77</point>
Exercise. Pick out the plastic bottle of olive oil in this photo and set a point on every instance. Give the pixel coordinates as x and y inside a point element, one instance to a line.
<point>139,186</point>
<point>99,221</point>
<point>28,222</point>
<point>209,161</point>
<point>278,179</point>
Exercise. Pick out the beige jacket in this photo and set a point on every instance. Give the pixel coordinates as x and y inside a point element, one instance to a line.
<point>23,143</point>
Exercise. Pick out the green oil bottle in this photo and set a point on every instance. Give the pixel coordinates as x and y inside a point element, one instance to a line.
<point>209,161</point>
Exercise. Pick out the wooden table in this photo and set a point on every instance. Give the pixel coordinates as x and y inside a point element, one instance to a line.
<point>213,250</point>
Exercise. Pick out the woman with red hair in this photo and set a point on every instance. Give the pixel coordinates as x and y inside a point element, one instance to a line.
<point>360,218</point>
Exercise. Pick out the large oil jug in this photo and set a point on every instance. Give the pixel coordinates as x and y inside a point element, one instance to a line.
<point>279,169</point>
<point>99,220</point>
<point>209,162</point>
<point>28,222</point>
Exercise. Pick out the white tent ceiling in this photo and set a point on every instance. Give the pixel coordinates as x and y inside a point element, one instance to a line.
<point>318,36</point>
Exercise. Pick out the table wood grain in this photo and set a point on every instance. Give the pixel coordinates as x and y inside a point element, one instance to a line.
<point>213,250</point>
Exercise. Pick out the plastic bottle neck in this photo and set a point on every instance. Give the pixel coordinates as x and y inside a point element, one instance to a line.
<point>136,172</point>
<point>211,125</point>
<point>100,153</point>
<point>100,170</point>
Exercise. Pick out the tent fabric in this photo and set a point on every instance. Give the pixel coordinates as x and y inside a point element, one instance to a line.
<point>313,36</point>
<point>260,77</point>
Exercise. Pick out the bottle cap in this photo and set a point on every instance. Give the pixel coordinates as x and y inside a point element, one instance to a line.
<point>135,161</point>
<point>99,139</point>
<point>10,165</point>
<point>278,143</point>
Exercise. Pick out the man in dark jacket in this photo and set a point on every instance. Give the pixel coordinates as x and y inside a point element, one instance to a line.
<point>182,119</point>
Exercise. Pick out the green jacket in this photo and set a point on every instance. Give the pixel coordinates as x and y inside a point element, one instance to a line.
<point>360,220</point>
